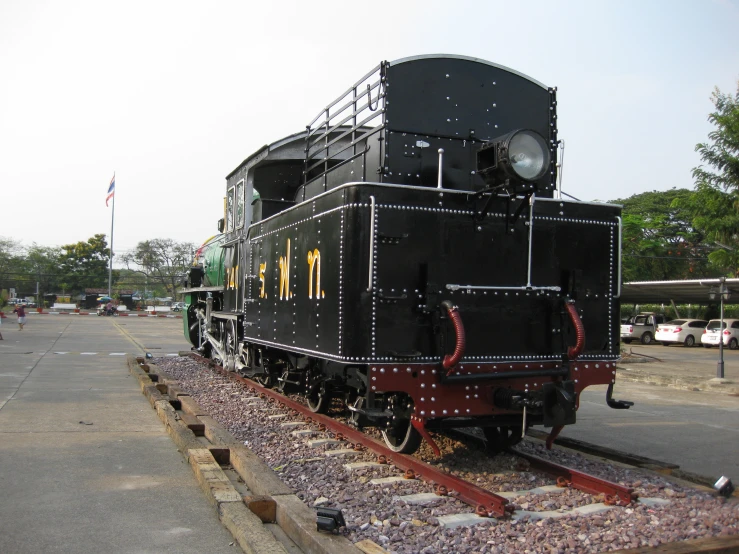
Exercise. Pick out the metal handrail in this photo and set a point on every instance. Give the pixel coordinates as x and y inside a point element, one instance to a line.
<point>315,146</point>
<point>364,107</point>
<point>340,114</point>
<point>380,67</point>
<point>363,125</point>
<point>356,141</point>
<point>341,163</point>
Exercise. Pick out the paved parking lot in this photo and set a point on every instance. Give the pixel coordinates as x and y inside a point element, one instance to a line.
<point>699,355</point>
<point>86,465</point>
<point>682,413</point>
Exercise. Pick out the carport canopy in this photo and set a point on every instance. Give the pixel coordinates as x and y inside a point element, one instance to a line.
<point>693,291</point>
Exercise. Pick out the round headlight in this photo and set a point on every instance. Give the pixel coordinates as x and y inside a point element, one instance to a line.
<point>528,155</point>
<point>521,156</point>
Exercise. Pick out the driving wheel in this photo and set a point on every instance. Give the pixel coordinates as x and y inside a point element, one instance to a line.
<point>231,341</point>
<point>401,436</point>
<point>319,397</point>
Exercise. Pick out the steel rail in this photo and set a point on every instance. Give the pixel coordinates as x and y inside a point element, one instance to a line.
<point>482,500</point>
<point>582,481</point>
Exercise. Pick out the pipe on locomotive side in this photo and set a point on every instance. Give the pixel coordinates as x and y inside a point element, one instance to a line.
<point>450,361</point>
<point>574,351</point>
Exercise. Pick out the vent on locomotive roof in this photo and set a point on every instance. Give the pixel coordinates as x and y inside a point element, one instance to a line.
<point>390,124</point>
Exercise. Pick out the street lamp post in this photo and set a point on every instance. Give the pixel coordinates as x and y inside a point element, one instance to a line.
<point>723,293</point>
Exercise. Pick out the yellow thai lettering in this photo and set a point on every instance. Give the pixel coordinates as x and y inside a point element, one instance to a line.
<point>262,269</point>
<point>285,274</point>
<point>314,261</point>
<point>232,277</point>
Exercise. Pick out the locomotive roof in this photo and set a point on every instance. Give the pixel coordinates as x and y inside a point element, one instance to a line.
<point>262,152</point>
<point>469,59</point>
<point>267,149</point>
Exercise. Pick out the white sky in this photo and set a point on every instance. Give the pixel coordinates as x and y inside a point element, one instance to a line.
<point>174,95</point>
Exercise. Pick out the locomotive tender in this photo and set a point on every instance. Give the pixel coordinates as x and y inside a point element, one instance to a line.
<point>410,255</point>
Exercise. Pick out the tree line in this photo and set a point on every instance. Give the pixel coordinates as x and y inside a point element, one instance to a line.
<point>155,267</point>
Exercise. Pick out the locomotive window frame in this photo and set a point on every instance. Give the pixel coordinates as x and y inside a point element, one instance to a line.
<point>230,209</point>
<point>239,205</point>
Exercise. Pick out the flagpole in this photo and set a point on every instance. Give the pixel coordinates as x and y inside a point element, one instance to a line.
<point>110,266</point>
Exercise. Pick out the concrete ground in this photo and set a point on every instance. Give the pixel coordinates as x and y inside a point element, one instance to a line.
<point>85,464</point>
<point>697,430</point>
<point>682,414</point>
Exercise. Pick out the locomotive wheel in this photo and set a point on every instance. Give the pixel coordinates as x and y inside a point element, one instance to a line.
<point>221,335</point>
<point>231,346</point>
<point>193,326</point>
<point>282,381</point>
<point>402,438</point>
<point>501,438</point>
<point>243,359</point>
<point>357,419</point>
<point>319,398</point>
<point>265,379</point>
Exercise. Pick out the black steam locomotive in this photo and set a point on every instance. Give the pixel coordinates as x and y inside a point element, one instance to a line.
<point>409,254</point>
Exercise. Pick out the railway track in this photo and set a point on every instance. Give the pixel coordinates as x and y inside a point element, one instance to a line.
<point>435,518</point>
<point>484,502</point>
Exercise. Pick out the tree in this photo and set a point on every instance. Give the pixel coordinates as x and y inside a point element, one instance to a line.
<point>659,240</point>
<point>10,255</point>
<point>162,261</point>
<point>85,264</point>
<point>41,264</point>
<point>723,152</point>
<point>714,204</point>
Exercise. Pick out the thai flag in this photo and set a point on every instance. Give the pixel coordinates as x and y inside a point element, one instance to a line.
<point>111,190</point>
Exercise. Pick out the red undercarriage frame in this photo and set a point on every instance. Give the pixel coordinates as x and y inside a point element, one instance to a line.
<point>433,398</point>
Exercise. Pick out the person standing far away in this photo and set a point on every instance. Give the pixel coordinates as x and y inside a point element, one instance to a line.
<point>21,311</point>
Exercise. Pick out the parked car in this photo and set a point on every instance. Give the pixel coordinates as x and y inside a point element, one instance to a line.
<point>642,327</point>
<point>177,306</point>
<point>729,335</point>
<point>681,331</point>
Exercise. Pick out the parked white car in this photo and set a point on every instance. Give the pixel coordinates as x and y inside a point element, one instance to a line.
<point>681,331</point>
<point>729,335</point>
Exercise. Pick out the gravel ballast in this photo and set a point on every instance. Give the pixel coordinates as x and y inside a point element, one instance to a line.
<point>377,512</point>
